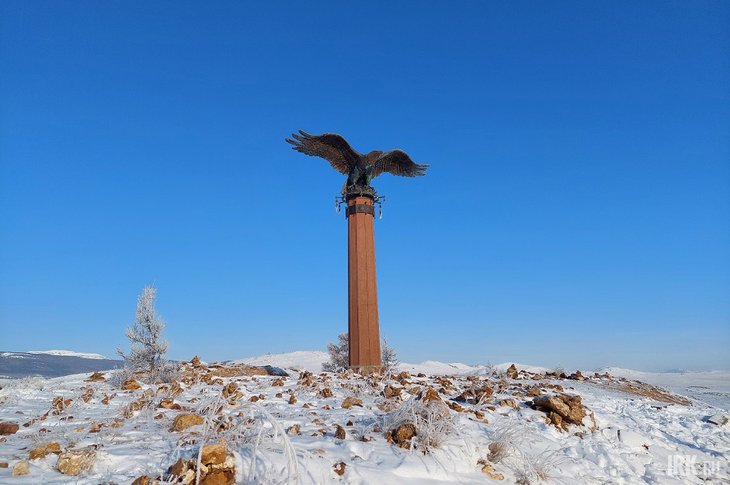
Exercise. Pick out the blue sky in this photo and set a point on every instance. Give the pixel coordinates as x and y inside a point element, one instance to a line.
<point>575,212</point>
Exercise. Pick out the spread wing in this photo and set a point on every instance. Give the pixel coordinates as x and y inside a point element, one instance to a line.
<point>330,146</point>
<point>398,162</point>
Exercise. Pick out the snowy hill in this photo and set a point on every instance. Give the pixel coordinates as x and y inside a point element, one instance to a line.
<point>437,423</point>
<point>711,387</point>
<point>68,353</point>
<point>52,363</point>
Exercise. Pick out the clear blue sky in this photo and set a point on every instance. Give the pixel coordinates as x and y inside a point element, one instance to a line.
<point>576,211</point>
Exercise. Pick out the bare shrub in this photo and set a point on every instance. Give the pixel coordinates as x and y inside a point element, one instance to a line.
<point>339,355</point>
<point>433,422</point>
<point>538,468</point>
<point>504,442</point>
<point>249,430</point>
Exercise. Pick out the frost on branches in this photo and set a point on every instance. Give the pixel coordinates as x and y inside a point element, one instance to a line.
<point>340,355</point>
<point>147,348</point>
<point>389,357</point>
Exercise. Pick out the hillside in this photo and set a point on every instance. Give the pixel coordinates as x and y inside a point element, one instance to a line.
<point>473,424</point>
<point>52,363</point>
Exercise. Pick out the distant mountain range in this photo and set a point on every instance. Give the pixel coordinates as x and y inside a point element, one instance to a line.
<point>52,363</point>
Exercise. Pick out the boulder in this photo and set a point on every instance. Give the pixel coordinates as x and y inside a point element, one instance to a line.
<point>45,450</point>
<point>185,421</point>
<point>402,435</point>
<point>339,468</point>
<point>21,468</point>
<point>429,394</point>
<point>96,377</point>
<point>130,385</point>
<point>214,454</point>
<point>351,401</point>
<point>74,462</point>
<point>7,428</point>
<point>569,408</point>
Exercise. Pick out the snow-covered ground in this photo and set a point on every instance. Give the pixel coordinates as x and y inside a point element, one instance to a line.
<point>638,440</point>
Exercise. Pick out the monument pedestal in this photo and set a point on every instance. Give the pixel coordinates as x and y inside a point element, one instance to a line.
<point>364,334</point>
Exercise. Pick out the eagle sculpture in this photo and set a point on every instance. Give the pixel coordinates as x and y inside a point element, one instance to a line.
<point>360,169</point>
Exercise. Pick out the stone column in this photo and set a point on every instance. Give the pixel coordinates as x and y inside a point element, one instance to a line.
<point>364,333</point>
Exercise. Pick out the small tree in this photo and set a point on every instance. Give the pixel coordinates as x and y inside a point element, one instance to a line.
<point>389,357</point>
<point>339,354</point>
<point>147,349</point>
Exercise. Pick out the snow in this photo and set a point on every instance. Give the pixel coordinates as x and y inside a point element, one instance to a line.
<point>307,360</point>
<point>68,353</point>
<point>637,441</point>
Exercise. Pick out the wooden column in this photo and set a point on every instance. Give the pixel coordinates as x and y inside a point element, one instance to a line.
<point>364,334</point>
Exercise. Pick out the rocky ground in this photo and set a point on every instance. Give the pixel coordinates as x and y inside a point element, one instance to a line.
<point>237,423</point>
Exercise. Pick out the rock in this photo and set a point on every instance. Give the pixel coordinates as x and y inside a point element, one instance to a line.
<point>325,393</point>
<point>488,470</point>
<point>294,429</point>
<point>275,371</point>
<point>3,464</point>
<point>230,390</point>
<point>569,408</point>
<point>351,401</point>
<point>577,376</point>
<point>390,392</point>
<point>292,399</point>
<point>130,385</point>
<point>143,480</point>
<point>402,435</point>
<point>21,468</point>
<point>7,428</point>
<point>718,419</point>
<point>456,407</point>
<point>429,394</point>
<point>512,372</point>
<point>178,468</point>
<point>74,462</point>
<point>219,477</point>
<point>195,361</point>
<point>237,371</point>
<point>59,404</point>
<point>510,403</point>
<point>339,468</point>
<point>169,403</point>
<point>214,454</point>
<point>43,451</point>
<point>185,421</point>
<point>96,377</point>
<point>534,391</point>
<point>217,467</point>
<point>277,382</point>
<point>340,433</point>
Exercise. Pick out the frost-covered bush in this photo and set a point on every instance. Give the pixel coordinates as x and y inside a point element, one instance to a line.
<point>434,423</point>
<point>389,357</point>
<point>339,355</point>
<point>505,441</point>
<point>147,347</point>
<point>538,468</point>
